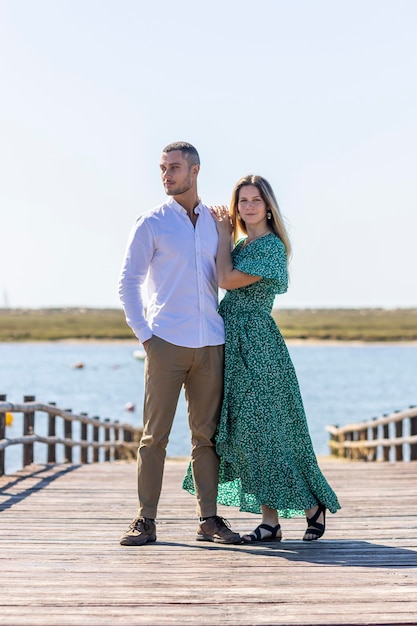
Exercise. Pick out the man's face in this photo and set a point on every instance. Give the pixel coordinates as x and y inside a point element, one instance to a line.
<point>177,175</point>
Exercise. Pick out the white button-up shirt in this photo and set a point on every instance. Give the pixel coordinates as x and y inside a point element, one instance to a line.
<point>176,262</point>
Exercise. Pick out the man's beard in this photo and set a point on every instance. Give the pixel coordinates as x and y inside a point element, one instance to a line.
<point>176,191</point>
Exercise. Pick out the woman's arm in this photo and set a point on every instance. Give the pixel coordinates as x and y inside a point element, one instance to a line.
<point>227,276</point>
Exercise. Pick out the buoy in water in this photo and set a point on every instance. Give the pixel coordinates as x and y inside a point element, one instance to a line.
<point>9,419</point>
<point>129,406</point>
<point>78,365</point>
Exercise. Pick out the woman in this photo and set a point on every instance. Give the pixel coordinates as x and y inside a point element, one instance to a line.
<point>267,461</point>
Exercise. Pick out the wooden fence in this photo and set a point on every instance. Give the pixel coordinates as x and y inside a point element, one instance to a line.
<point>391,437</point>
<point>64,433</point>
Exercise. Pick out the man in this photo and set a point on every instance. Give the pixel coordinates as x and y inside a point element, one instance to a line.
<point>173,247</point>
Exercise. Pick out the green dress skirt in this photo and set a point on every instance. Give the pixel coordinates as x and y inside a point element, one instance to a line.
<point>263,441</point>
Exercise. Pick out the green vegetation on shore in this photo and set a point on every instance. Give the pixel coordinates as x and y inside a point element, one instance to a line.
<point>110,324</point>
<point>348,324</point>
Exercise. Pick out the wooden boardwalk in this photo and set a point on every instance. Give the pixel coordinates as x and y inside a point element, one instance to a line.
<point>61,563</point>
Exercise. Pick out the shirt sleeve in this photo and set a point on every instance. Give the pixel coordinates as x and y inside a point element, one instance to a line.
<point>266,257</point>
<point>139,252</point>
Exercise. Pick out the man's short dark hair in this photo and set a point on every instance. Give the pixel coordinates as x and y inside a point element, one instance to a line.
<point>188,151</point>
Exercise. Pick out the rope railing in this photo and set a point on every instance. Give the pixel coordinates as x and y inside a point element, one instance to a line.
<point>96,440</point>
<point>392,437</point>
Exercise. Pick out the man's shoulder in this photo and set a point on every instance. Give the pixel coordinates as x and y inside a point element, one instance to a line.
<point>152,216</point>
<point>156,211</point>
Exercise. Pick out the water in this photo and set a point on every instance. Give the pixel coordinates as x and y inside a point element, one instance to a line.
<point>339,383</point>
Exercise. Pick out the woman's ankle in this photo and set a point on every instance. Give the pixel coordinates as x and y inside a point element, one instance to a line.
<point>269,516</point>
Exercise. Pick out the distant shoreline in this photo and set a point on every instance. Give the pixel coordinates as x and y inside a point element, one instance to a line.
<point>298,326</point>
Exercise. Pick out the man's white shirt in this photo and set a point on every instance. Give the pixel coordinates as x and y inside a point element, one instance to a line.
<point>175,261</point>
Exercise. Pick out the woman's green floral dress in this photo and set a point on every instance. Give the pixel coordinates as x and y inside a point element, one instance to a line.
<point>265,449</point>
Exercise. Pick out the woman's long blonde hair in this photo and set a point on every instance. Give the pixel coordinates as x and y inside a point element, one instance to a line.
<point>276,223</point>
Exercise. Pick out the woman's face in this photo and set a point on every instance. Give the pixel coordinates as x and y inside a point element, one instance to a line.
<point>251,207</point>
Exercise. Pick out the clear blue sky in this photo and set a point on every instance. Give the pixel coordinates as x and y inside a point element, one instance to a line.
<point>318,96</point>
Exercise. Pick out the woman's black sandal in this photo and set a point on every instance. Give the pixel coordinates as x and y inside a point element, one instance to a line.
<point>313,526</point>
<point>256,535</point>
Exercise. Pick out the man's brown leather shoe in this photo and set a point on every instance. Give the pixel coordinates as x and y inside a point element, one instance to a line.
<point>142,530</point>
<point>217,530</point>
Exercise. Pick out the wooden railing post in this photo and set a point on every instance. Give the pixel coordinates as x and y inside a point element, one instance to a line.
<point>28,429</point>
<point>2,433</point>
<point>84,449</point>
<point>413,431</point>
<point>363,451</point>
<point>107,437</point>
<point>373,434</point>
<point>68,435</point>
<point>52,433</point>
<point>341,452</point>
<point>128,438</point>
<point>96,436</point>
<point>117,454</point>
<point>386,448</point>
<point>399,447</point>
<point>349,452</point>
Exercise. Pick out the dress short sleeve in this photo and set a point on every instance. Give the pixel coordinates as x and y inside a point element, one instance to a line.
<point>266,257</point>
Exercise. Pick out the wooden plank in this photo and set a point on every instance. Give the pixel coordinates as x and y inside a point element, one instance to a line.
<point>61,563</point>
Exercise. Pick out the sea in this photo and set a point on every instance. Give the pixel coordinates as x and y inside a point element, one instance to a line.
<point>340,383</point>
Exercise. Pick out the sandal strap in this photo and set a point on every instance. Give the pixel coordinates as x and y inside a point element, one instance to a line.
<point>256,535</point>
<point>314,527</point>
<point>312,521</point>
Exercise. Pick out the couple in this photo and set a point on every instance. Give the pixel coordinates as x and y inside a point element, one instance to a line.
<point>251,446</point>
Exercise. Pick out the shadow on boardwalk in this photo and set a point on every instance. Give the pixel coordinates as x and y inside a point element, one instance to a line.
<point>335,553</point>
<point>37,479</point>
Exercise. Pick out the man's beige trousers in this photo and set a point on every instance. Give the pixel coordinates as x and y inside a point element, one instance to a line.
<point>167,369</point>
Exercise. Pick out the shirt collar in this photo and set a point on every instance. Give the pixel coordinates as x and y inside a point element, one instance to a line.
<point>180,209</point>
